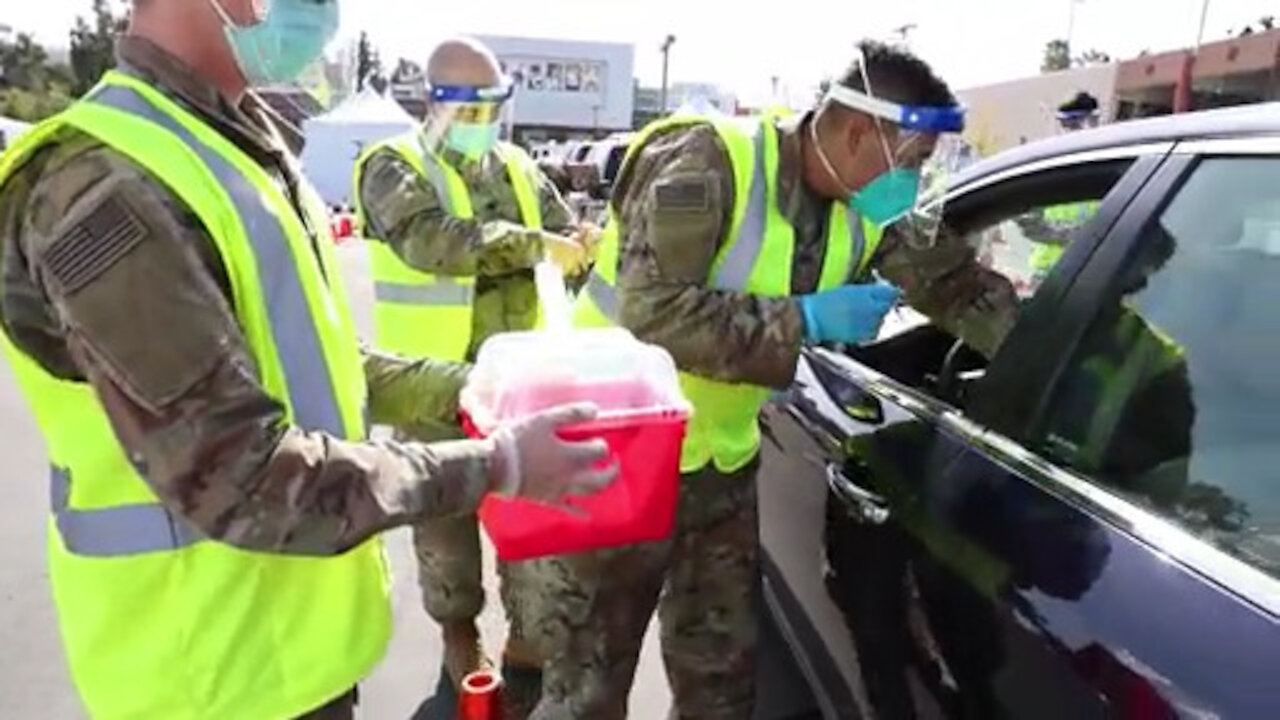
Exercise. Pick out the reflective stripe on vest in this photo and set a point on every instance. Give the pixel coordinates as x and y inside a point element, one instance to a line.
<point>436,176</point>
<point>420,313</point>
<point>756,256</point>
<point>143,528</point>
<point>444,291</point>
<point>230,632</point>
<point>115,531</point>
<point>744,250</point>
<point>292,327</point>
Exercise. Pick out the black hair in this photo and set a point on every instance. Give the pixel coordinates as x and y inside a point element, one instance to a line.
<point>897,75</point>
<point>1083,102</point>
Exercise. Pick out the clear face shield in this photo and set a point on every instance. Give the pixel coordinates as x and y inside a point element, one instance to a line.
<point>1071,121</point>
<point>921,157</point>
<point>465,122</point>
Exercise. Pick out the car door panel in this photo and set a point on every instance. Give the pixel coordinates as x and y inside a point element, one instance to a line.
<point>792,501</point>
<point>951,573</point>
<point>990,590</point>
<point>912,589</point>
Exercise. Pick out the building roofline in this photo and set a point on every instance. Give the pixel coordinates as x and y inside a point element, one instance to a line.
<point>1262,119</point>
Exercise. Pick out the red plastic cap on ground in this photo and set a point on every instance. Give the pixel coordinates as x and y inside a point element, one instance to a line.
<point>479,699</point>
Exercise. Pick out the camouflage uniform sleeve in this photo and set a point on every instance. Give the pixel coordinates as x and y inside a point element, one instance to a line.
<point>674,205</point>
<point>148,327</point>
<point>403,209</point>
<point>557,216</point>
<point>948,284</point>
<point>417,397</point>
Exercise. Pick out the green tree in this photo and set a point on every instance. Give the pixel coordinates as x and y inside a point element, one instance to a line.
<point>1057,56</point>
<point>368,64</point>
<point>1092,57</point>
<point>33,105</point>
<point>93,44</point>
<point>30,88</point>
<point>22,63</point>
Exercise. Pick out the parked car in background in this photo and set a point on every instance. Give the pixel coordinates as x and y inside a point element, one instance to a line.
<point>581,173</point>
<point>606,156</point>
<point>1088,524</point>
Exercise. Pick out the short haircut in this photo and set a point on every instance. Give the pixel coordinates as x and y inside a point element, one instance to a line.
<point>1083,102</point>
<point>898,76</point>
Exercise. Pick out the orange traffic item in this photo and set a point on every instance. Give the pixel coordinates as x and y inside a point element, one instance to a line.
<point>481,696</point>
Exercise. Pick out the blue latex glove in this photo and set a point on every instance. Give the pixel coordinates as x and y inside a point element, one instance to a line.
<point>847,314</point>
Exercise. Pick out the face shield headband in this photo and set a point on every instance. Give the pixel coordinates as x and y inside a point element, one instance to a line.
<point>465,118</point>
<point>909,193</point>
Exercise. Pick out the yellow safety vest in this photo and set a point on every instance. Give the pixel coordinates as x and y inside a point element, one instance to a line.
<point>1138,352</point>
<point>418,314</point>
<point>756,259</point>
<point>159,621</point>
<point>1067,215</point>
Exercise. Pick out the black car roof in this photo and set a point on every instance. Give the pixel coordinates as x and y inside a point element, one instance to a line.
<point>1244,120</point>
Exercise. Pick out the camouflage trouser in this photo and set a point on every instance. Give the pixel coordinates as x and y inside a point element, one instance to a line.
<point>593,609</point>
<point>449,568</point>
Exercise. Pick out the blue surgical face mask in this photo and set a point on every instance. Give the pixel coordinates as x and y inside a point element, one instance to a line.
<point>888,197</point>
<point>472,140</point>
<point>291,36</point>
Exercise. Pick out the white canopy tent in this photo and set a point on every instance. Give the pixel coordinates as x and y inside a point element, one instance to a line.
<point>10,129</point>
<point>336,139</point>
<point>698,105</point>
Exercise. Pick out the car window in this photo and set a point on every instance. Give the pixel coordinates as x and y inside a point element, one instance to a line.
<point>614,161</point>
<point>1172,397</point>
<point>1024,247</point>
<point>1020,226</point>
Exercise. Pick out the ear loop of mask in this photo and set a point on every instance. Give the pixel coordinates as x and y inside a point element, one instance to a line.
<point>866,85</point>
<point>260,10</point>
<point>906,225</point>
<point>822,156</point>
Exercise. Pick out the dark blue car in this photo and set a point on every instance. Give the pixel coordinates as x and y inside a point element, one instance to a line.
<point>1087,524</point>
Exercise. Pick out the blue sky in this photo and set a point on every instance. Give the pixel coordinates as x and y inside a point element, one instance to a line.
<point>970,41</point>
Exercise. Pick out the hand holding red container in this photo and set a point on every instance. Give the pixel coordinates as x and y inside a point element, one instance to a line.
<point>639,416</point>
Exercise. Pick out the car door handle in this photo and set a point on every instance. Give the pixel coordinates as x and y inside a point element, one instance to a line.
<point>862,505</point>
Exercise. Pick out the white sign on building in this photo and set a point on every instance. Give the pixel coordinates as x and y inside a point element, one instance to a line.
<point>568,83</point>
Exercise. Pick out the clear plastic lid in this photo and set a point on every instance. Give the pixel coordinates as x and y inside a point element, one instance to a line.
<point>520,373</point>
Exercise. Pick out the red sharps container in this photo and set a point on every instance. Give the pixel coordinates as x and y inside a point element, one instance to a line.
<point>642,418</point>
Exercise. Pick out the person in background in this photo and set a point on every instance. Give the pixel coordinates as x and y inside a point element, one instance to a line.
<point>456,220</point>
<point>174,315</point>
<point>732,247</point>
<point>1053,228</point>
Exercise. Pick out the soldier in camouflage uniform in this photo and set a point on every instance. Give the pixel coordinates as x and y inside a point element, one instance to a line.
<point>111,280</point>
<point>403,209</point>
<point>674,203</point>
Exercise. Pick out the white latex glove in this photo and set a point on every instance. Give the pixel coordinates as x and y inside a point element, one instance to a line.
<point>534,463</point>
<point>565,253</point>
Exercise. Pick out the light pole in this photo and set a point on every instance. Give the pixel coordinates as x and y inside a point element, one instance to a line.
<point>1204,15</point>
<point>1184,90</point>
<point>1071,27</point>
<point>666,55</point>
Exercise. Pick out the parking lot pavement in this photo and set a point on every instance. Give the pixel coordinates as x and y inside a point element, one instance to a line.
<point>33,679</point>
